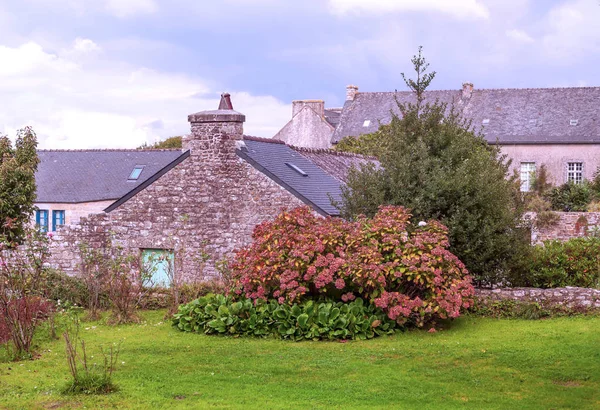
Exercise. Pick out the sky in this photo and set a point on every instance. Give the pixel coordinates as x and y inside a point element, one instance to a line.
<point>118,73</point>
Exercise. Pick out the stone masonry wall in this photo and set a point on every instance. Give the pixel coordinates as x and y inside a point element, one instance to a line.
<point>210,203</point>
<point>569,225</point>
<point>570,296</point>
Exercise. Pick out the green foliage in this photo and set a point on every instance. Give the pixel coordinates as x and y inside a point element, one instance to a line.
<point>374,144</point>
<point>575,262</point>
<point>17,184</point>
<point>169,143</point>
<point>571,197</point>
<point>218,314</point>
<point>436,166</point>
<point>514,309</point>
<point>404,269</point>
<point>72,290</point>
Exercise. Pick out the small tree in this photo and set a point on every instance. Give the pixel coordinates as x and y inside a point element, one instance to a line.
<point>169,143</point>
<point>17,184</point>
<point>436,165</point>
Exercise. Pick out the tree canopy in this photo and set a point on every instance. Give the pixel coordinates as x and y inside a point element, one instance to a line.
<point>17,184</point>
<point>432,162</point>
<point>169,143</point>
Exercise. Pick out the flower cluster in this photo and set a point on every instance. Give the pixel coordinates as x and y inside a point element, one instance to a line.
<point>405,270</point>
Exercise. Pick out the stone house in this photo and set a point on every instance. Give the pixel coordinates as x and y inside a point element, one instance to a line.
<point>208,198</point>
<point>557,127</point>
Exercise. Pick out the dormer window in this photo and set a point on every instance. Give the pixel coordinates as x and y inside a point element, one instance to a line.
<point>573,122</point>
<point>135,174</point>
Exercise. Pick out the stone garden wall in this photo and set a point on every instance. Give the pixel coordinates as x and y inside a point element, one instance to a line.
<point>569,225</point>
<point>570,296</point>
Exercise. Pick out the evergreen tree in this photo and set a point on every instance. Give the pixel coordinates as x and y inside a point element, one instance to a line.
<point>432,162</point>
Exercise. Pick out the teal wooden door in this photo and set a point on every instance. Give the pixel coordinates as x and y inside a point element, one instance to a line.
<point>158,267</point>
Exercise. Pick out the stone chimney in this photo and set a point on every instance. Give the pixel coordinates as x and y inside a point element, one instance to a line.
<point>317,105</point>
<point>351,91</point>
<point>467,90</point>
<point>215,133</point>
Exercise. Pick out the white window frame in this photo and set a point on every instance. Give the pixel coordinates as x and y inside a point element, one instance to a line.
<point>527,172</point>
<point>575,172</point>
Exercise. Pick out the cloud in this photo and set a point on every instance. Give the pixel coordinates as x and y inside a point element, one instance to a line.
<point>573,30</point>
<point>519,36</point>
<point>75,102</point>
<point>456,8</point>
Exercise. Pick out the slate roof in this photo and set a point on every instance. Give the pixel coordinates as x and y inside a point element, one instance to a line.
<point>516,116</point>
<point>332,116</point>
<point>277,160</point>
<point>74,176</point>
<point>337,164</point>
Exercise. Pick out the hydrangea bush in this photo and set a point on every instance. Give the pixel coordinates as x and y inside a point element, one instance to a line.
<point>404,269</point>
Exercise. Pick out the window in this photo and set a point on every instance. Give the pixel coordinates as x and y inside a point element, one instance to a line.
<point>158,267</point>
<point>135,174</point>
<point>41,219</point>
<point>527,175</point>
<point>366,123</point>
<point>575,172</point>
<point>58,219</point>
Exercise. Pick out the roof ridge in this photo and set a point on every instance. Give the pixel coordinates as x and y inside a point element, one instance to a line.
<point>488,89</point>
<point>111,150</point>
<point>331,152</point>
<point>262,139</point>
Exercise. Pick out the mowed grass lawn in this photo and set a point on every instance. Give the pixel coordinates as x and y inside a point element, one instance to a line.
<point>474,363</point>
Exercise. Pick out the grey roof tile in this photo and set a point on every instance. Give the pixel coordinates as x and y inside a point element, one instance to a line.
<point>522,116</point>
<point>74,176</point>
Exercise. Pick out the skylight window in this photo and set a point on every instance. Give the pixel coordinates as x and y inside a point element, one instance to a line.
<point>573,122</point>
<point>485,121</point>
<point>135,174</point>
<point>366,123</point>
<point>297,169</point>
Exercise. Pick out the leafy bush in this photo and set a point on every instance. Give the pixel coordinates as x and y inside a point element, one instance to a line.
<point>218,314</point>
<point>22,290</point>
<point>571,197</point>
<point>514,309</point>
<point>575,262</point>
<point>405,270</point>
<point>64,288</point>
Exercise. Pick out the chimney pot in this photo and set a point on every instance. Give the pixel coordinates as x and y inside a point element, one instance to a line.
<point>467,90</point>
<point>351,91</point>
<point>225,103</point>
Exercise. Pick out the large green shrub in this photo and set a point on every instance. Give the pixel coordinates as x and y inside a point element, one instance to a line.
<point>575,262</point>
<point>218,314</point>
<point>571,197</point>
<point>404,269</point>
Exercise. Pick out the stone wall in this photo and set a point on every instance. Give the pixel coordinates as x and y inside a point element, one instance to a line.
<point>570,296</point>
<point>569,225</point>
<point>210,202</point>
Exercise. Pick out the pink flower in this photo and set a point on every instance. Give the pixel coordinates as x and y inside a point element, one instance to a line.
<point>50,235</point>
<point>339,284</point>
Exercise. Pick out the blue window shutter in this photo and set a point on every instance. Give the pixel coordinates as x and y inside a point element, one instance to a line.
<point>37,217</point>
<point>41,218</point>
<point>58,219</point>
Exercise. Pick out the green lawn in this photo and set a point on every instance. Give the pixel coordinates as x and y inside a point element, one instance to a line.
<point>475,363</point>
